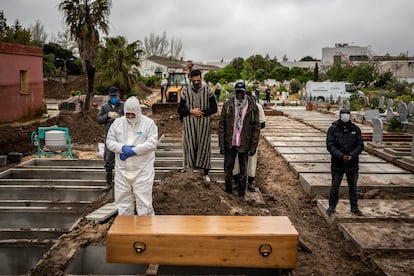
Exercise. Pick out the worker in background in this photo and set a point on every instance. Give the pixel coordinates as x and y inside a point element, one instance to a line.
<point>239,131</point>
<point>251,160</point>
<point>217,92</point>
<point>133,138</point>
<point>257,94</point>
<point>197,104</point>
<point>108,112</point>
<point>267,91</point>
<point>344,142</point>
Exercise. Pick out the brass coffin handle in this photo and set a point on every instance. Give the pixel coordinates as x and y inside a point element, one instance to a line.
<point>265,250</point>
<point>139,247</point>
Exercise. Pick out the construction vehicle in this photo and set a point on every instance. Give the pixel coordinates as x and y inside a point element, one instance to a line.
<point>171,91</point>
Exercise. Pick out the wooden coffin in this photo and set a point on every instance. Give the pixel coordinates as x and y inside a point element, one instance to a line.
<point>224,241</point>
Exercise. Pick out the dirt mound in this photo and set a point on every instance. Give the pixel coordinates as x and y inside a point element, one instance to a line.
<point>55,88</point>
<point>82,126</point>
<point>203,198</point>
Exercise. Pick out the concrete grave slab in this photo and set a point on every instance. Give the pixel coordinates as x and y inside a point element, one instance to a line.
<point>325,158</point>
<point>379,168</point>
<point>380,236</point>
<point>298,139</point>
<point>406,162</point>
<point>103,213</point>
<point>295,143</point>
<point>372,209</point>
<point>320,183</point>
<point>395,265</point>
<point>302,150</point>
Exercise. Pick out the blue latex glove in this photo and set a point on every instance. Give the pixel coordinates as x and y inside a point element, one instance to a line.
<point>123,156</point>
<point>128,150</point>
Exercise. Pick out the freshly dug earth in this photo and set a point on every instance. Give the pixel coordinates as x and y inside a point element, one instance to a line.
<point>185,193</point>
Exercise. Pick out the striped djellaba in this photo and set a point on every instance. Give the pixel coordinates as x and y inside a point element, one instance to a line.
<point>197,130</point>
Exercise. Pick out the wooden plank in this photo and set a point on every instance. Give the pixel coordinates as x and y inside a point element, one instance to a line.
<point>228,241</point>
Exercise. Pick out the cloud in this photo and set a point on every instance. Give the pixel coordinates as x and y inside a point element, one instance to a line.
<point>215,29</point>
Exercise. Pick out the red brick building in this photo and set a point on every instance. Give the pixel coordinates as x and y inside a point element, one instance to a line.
<point>21,81</point>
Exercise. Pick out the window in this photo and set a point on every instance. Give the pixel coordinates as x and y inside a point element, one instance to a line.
<point>24,82</point>
<point>358,58</point>
<point>337,59</point>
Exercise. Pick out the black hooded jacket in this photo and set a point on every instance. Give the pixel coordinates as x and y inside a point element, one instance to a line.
<point>344,139</point>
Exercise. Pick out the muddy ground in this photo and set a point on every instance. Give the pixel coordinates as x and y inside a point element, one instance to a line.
<point>186,194</point>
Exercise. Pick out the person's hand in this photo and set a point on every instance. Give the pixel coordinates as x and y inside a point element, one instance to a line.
<point>128,151</point>
<point>196,112</point>
<point>222,150</point>
<point>123,156</point>
<point>113,115</point>
<point>346,158</point>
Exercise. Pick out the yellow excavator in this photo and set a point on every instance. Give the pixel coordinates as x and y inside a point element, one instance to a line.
<point>171,92</point>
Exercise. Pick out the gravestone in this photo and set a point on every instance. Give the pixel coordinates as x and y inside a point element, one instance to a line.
<point>341,104</point>
<point>390,104</point>
<point>371,113</point>
<point>402,111</point>
<point>366,101</point>
<point>381,102</point>
<point>347,105</point>
<point>390,114</point>
<point>410,109</point>
<point>378,129</point>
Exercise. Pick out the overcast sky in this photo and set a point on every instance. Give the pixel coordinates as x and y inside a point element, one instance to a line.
<point>214,29</point>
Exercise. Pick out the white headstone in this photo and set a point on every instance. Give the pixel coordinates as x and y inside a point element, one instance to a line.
<point>378,128</point>
<point>371,113</point>
<point>347,105</point>
<point>402,111</point>
<point>390,114</point>
<point>381,102</point>
<point>341,104</point>
<point>390,104</point>
<point>410,110</point>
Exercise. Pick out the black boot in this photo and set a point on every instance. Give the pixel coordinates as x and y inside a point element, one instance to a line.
<point>250,185</point>
<point>109,179</point>
<point>236,179</point>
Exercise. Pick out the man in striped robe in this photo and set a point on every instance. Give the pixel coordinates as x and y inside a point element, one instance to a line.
<point>197,104</point>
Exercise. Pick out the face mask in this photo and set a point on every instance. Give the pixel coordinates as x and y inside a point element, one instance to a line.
<point>345,117</point>
<point>197,84</point>
<point>114,100</point>
<point>131,121</point>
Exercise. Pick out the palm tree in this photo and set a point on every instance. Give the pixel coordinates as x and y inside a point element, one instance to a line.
<point>116,61</point>
<point>84,19</point>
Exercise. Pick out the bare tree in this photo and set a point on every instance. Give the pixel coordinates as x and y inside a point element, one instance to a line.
<point>38,32</point>
<point>66,42</point>
<point>156,45</point>
<point>176,49</point>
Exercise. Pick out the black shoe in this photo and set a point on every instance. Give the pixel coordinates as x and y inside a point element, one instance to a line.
<point>251,187</point>
<point>330,211</point>
<point>357,212</point>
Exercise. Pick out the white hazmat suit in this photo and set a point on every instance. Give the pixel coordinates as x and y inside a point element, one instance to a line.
<point>134,177</point>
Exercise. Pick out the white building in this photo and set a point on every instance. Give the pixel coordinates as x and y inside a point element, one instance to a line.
<point>402,70</point>
<point>342,52</point>
<point>160,66</point>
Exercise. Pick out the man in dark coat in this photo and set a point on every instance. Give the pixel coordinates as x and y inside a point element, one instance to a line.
<point>344,142</point>
<point>239,131</point>
<point>109,111</point>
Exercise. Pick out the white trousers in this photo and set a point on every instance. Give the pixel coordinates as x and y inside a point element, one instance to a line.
<point>133,196</point>
<point>251,166</point>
